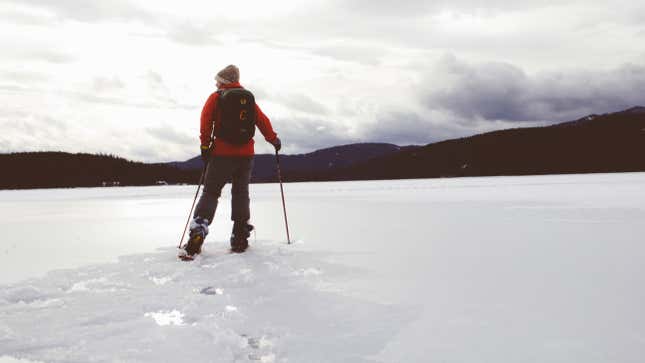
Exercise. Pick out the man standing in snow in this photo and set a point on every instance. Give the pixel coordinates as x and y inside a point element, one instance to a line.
<point>228,120</point>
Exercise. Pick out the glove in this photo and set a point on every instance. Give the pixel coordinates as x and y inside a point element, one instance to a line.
<point>206,153</point>
<point>277,144</point>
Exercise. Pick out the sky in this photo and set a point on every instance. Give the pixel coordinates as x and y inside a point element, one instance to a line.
<point>130,77</point>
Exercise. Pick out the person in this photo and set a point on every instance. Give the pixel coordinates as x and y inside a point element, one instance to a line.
<point>227,126</point>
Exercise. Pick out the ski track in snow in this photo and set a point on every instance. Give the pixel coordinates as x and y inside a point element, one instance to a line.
<point>271,304</point>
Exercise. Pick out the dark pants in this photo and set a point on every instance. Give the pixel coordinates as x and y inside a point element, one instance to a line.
<point>220,170</point>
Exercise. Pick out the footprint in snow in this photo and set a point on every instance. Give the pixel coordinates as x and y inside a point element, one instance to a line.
<point>210,290</point>
<point>160,280</point>
<point>260,347</point>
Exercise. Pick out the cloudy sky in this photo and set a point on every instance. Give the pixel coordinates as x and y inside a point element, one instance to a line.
<point>129,77</point>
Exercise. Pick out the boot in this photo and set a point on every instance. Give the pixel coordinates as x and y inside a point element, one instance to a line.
<point>240,236</point>
<point>198,232</point>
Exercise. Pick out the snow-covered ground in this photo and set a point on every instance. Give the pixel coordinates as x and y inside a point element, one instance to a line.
<point>504,269</point>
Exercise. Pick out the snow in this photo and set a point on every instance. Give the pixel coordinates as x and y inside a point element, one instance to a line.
<point>503,269</point>
<point>220,307</point>
<point>9,359</point>
<point>164,317</point>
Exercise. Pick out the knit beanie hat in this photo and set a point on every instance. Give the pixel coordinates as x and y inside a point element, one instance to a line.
<point>229,74</point>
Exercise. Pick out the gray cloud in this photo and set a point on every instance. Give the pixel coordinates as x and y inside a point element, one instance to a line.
<point>40,54</point>
<point>193,34</point>
<point>147,153</point>
<point>460,97</point>
<point>304,135</point>
<point>104,84</point>
<point>169,26</point>
<point>463,99</point>
<point>404,128</point>
<point>26,131</point>
<point>408,128</point>
<point>420,8</point>
<point>294,101</point>
<point>500,91</point>
<point>368,55</point>
<point>121,101</point>
<point>56,124</point>
<point>526,31</point>
<point>17,15</point>
<point>301,102</point>
<point>91,11</point>
<point>387,8</point>
<point>154,79</point>
<point>110,91</point>
<point>404,23</point>
<point>344,50</point>
<point>21,76</point>
<point>158,90</point>
<point>23,131</point>
<point>168,134</point>
<point>10,88</point>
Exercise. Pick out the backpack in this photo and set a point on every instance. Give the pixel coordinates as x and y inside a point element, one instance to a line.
<point>237,113</point>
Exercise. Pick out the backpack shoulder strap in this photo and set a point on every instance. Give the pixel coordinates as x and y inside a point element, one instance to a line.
<point>218,111</point>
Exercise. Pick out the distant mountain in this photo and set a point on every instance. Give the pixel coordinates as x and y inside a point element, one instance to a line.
<point>613,142</point>
<point>190,164</point>
<point>60,169</point>
<point>314,163</point>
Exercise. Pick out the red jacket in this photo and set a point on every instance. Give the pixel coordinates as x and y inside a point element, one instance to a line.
<point>223,148</point>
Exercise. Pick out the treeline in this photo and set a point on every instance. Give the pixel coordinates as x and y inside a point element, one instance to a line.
<point>612,142</point>
<point>59,170</point>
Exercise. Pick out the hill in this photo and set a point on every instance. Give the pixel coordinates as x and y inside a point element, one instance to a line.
<point>613,142</point>
<point>308,165</point>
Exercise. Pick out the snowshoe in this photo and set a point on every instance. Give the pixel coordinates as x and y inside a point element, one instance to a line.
<point>193,247</point>
<point>240,237</point>
<point>198,232</point>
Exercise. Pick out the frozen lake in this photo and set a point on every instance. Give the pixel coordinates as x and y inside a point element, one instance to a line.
<point>500,269</point>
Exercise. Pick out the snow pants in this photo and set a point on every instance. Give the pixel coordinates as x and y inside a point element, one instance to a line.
<point>220,170</point>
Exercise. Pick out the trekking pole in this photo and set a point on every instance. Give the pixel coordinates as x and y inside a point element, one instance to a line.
<point>201,181</point>
<point>284,208</point>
